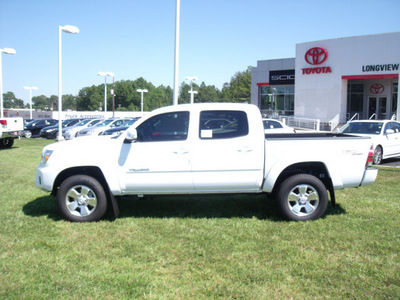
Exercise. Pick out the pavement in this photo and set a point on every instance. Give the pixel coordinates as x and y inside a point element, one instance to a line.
<point>391,162</point>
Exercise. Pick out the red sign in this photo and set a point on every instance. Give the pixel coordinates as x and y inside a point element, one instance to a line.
<point>376,88</point>
<point>316,56</point>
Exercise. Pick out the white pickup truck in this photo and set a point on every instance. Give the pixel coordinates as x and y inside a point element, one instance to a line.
<point>9,128</point>
<point>204,149</point>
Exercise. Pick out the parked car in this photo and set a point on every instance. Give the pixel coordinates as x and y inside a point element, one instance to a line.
<point>26,121</point>
<point>385,135</point>
<point>275,126</point>
<point>51,132</point>
<point>33,128</point>
<point>118,130</point>
<point>72,131</point>
<point>101,127</point>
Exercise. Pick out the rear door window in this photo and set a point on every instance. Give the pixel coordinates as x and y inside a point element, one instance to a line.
<point>223,124</point>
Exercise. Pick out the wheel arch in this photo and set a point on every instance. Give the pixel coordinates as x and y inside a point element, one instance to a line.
<point>317,169</point>
<point>92,171</point>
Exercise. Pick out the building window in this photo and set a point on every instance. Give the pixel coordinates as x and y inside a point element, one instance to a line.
<point>394,97</point>
<point>355,100</point>
<point>277,100</point>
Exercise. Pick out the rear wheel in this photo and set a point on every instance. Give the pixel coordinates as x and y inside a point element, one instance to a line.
<point>7,143</point>
<point>81,198</point>
<point>378,155</point>
<point>302,197</point>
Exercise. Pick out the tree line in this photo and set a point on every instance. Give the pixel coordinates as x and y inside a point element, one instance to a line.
<point>128,99</point>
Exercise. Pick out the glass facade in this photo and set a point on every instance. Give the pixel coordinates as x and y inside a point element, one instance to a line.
<point>355,100</point>
<point>277,100</point>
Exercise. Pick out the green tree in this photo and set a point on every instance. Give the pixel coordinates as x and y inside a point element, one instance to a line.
<point>10,101</point>
<point>41,102</point>
<point>53,102</point>
<point>68,102</point>
<point>239,88</point>
<point>207,93</point>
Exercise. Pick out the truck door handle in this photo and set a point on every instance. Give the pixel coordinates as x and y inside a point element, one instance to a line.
<point>245,150</point>
<point>181,151</point>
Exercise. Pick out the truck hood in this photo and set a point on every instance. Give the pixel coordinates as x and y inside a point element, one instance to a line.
<point>83,150</point>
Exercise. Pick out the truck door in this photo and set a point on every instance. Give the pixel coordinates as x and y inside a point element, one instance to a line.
<point>227,156</point>
<point>159,161</point>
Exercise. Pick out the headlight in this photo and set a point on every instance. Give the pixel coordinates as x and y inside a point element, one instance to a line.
<point>45,156</point>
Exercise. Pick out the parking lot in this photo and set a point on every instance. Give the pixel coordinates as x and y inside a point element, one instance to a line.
<point>391,162</point>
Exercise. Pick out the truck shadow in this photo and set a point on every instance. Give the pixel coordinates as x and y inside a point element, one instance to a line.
<point>259,207</point>
<point>43,206</point>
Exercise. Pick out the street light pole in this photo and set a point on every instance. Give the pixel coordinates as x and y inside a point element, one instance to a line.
<point>191,92</point>
<point>6,51</point>
<point>105,74</point>
<point>30,88</point>
<point>176,61</point>
<point>67,29</point>
<point>141,97</point>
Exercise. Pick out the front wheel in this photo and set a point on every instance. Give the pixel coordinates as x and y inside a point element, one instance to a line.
<point>28,134</point>
<point>81,198</point>
<point>302,197</point>
<point>378,155</point>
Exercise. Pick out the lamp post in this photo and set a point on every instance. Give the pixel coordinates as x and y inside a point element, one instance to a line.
<point>6,51</point>
<point>30,88</point>
<point>67,29</point>
<point>141,97</point>
<point>191,92</point>
<point>176,57</point>
<point>105,74</point>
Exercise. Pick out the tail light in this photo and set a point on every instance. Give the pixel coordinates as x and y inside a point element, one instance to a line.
<point>370,158</point>
<point>3,122</point>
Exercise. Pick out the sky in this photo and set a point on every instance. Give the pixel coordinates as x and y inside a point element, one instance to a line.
<point>136,38</point>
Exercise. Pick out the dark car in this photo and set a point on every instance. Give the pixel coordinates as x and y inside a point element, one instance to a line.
<point>118,130</point>
<point>50,132</point>
<point>33,128</point>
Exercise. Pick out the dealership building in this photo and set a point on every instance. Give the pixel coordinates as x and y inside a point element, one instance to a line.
<point>332,80</point>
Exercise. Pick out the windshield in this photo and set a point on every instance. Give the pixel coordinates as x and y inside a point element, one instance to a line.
<point>105,123</point>
<point>81,123</point>
<point>363,128</point>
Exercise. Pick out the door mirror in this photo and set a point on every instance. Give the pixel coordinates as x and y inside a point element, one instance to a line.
<point>389,131</point>
<point>131,135</point>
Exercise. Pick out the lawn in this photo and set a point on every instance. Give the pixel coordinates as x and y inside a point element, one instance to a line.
<point>195,247</point>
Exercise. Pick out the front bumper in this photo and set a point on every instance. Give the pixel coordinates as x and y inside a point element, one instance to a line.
<point>44,179</point>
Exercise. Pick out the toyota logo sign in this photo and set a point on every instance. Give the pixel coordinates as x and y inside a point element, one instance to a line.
<point>316,56</point>
<point>376,88</point>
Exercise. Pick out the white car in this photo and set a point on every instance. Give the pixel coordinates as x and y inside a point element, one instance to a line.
<point>275,126</point>
<point>385,135</point>
<point>71,132</point>
<point>99,128</point>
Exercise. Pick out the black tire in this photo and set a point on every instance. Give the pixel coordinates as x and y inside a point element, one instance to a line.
<point>82,198</point>
<point>7,143</point>
<point>302,197</point>
<point>378,155</point>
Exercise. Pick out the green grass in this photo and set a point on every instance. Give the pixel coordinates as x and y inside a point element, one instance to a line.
<point>195,247</point>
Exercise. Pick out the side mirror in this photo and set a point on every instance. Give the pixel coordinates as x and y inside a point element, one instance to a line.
<point>389,131</point>
<point>131,135</point>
